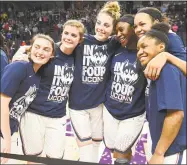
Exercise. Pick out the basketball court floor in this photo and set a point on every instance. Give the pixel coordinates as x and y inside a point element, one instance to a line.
<point>72,151</point>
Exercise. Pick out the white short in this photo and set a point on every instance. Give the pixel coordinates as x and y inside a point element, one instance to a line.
<point>39,133</point>
<point>178,158</point>
<point>88,124</point>
<point>120,135</point>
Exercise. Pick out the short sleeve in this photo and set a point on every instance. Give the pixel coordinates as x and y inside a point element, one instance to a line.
<point>169,90</point>
<point>176,46</point>
<point>12,77</point>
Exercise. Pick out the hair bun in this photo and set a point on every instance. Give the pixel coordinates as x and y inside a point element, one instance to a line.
<point>112,6</point>
<point>163,27</point>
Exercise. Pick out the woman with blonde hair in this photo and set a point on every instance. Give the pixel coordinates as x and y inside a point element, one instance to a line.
<point>88,89</point>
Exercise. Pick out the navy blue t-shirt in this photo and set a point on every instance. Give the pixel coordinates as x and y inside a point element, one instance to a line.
<point>92,63</point>
<point>56,79</point>
<point>4,60</point>
<point>176,48</point>
<point>125,96</point>
<point>167,93</point>
<point>20,82</point>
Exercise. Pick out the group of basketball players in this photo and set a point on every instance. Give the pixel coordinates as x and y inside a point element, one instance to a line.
<point>131,71</point>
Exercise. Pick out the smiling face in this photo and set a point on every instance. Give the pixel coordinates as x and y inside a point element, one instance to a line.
<point>103,27</point>
<point>142,24</point>
<point>148,48</point>
<point>124,31</point>
<point>41,51</point>
<point>70,37</point>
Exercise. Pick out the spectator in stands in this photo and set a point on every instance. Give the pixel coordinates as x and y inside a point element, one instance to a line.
<point>175,28</point>
<point>23,43</point>
<point>4,57</point>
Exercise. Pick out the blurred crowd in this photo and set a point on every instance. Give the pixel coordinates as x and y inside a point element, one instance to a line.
<point>17,27</point>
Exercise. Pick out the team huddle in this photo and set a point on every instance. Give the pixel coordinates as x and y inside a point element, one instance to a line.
<point>131,71</point>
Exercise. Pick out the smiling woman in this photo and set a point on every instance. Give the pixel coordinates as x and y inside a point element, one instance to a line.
<point>41,50</point>
<point>72,34</point>
<point>152,43</point>
<point>19,85</point>
<point>106,20</point>
<point>125,95</point>
<point>87,92</point>
<point>167,101</point>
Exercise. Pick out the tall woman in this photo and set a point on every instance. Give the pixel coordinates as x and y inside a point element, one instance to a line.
<point>87,92</point>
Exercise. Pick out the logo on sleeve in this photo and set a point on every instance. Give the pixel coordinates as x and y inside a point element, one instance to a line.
<point>125,77</point>
<point>20,105</point>
<point>63,77</point>
<point>94,61</point>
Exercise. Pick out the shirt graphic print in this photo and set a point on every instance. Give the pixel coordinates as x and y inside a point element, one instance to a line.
<point>63,77</point>
<point>94,60</point>
<point>20,105</point>
<point>125,77</point>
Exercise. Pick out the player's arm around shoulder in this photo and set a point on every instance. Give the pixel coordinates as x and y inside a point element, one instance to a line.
<point>21,54</point>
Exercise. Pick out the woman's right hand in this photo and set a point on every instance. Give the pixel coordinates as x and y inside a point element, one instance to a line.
<point>154,67</point>
<point>20,55</point>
